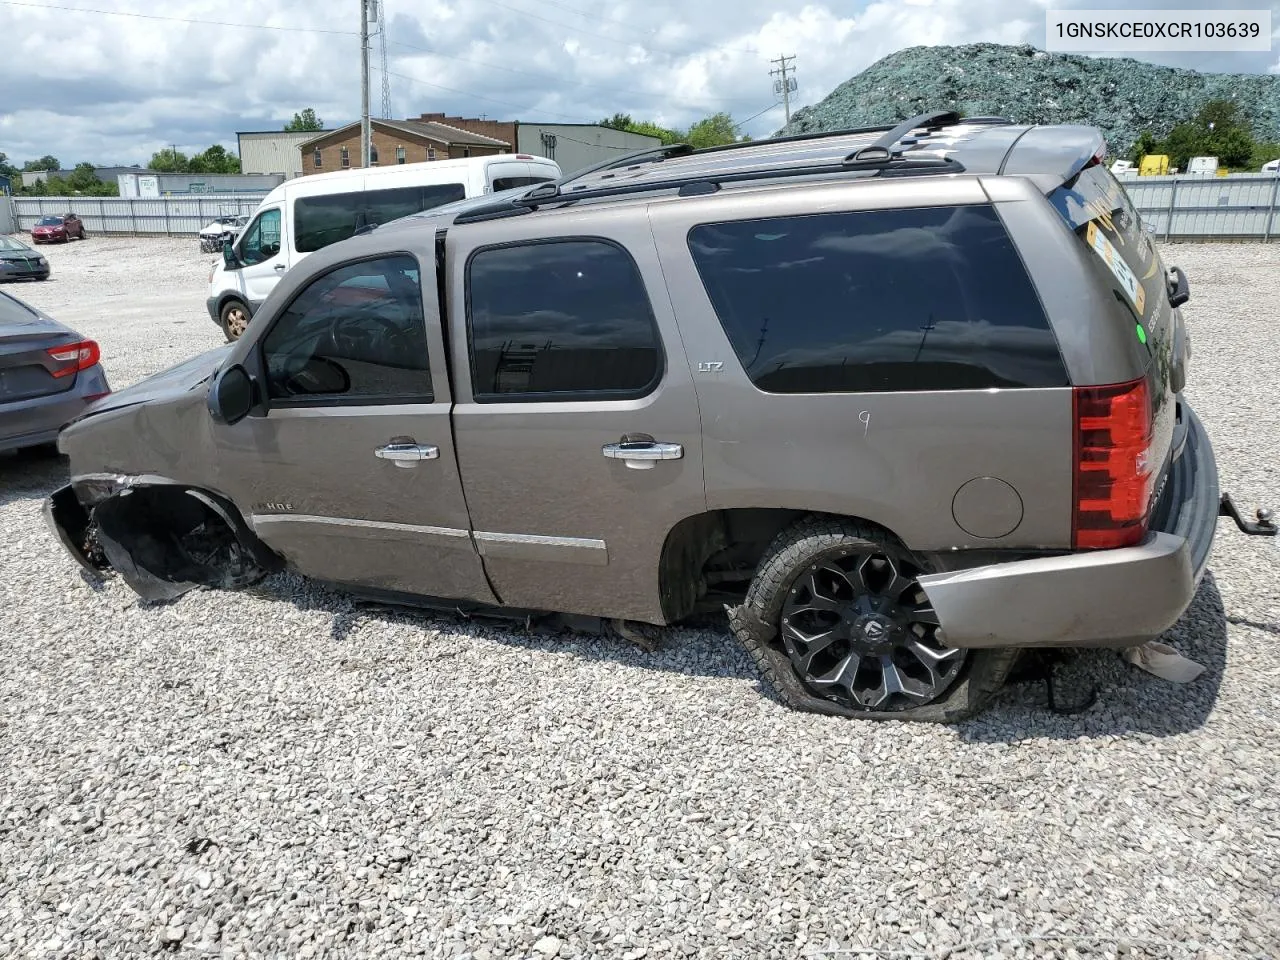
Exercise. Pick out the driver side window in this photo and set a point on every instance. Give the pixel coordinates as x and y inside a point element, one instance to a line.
<point>262,240</point>
<point>356,335</point>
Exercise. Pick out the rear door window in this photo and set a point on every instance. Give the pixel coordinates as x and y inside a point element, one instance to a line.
<point>560,320</point>
<point>321,221</point>
<point>933,298</point>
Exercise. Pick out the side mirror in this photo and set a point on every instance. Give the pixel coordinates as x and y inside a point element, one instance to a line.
<point>231,396</point>
<point>229,258</point>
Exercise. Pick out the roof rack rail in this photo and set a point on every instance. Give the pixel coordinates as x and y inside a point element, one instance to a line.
<point>697,184</point>
<point>878,155</point>
<point>882,148</point>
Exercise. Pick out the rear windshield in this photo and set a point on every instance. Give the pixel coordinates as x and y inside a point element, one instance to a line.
<point>14,312</point>
<point>934,298</point>
<point>320,221</point>
<point>1098,209</point>
<point>510,183</point>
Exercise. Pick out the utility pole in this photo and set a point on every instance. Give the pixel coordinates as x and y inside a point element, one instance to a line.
<point>784,85</point>
<point>364,83</point>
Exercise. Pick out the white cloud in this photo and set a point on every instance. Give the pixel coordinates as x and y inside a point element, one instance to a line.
<point>114,89</point>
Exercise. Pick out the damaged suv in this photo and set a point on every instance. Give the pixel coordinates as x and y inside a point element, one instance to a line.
<point>903,400</point>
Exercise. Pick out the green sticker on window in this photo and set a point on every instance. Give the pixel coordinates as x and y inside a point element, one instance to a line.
<point>1142,334</point>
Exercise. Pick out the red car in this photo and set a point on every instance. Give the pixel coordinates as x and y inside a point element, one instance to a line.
<point>64,229</point>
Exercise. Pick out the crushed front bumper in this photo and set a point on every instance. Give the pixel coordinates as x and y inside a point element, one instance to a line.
<point>1103,598</point>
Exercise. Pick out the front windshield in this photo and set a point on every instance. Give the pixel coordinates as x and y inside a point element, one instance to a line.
<point>10,244</point>
<point>49,222</point>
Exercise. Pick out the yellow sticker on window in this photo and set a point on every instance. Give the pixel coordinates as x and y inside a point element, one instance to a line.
<point>1111,257</point>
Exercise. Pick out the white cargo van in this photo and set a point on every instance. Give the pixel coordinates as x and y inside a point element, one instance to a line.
<point>306,214</point>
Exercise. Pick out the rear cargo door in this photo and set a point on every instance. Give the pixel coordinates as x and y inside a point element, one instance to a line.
<point>1124,256</point>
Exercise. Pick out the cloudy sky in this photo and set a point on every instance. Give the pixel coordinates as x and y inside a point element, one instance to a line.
<point>112,81</point>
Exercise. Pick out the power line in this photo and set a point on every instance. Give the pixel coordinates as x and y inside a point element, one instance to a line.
<point>557,79</point>
<point>155,16</point>
<point>476,96</point>
<point>743,123</point>
<point>601,36</point>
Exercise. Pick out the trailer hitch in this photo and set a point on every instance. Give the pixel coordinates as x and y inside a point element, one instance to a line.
<point>1265,526</point>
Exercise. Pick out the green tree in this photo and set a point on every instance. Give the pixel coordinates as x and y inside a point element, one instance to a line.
<point>713,131</point>
<point>83,178</point>
<point>215,159</point>
<point>46,162</point>
<point>1263,152</point>
<point>7,169</point>
<point>169,160</point>
<point>304,121</point>
<point>619,121</point>
<point>1218,130</point>
<point>1145,144</point>
<point>623,121</point>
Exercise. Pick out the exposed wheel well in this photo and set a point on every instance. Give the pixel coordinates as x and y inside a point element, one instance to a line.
<point>166,539</point>
<point>709,559</point>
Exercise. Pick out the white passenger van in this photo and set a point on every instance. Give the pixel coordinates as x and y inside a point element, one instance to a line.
<point>308,213</point>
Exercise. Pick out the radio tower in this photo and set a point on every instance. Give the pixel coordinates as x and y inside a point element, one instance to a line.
<point>378,14</point>
<point>386,77</point>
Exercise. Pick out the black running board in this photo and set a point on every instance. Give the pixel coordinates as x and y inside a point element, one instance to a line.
<point>1264,526</point>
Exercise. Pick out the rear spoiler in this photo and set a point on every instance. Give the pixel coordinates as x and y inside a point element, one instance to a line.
<point>1057,152</point>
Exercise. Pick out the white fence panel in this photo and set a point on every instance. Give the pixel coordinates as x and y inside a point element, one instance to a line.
<point>1241,206</point>
<point>155,216</point>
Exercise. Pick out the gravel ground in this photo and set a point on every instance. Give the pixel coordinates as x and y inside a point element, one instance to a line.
<point>282,773</point>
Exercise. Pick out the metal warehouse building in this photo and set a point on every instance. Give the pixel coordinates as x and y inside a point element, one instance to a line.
<point>273,151</point>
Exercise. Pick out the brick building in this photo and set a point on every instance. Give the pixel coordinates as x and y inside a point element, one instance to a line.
<point>397,141</point>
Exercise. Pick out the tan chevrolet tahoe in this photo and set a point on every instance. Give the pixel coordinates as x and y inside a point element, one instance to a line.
<point>903,401</point>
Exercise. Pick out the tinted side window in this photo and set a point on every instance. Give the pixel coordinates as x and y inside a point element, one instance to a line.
<point>262,239</point>
<point>882,300</point>
<point>320,221</point>
<point>355,334</point>
<point>570,317</point>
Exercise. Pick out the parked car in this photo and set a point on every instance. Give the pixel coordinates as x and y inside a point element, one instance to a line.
<point>63,229</point>
<point>903,400</point>
<point>19,262</point>
<point>214,236</point>
<point>49,374</point>
<point>306,214</point>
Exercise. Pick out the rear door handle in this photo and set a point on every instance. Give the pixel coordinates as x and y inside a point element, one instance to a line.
<point>407,455</point>
<point>642,454</point>
<point>281,267</point>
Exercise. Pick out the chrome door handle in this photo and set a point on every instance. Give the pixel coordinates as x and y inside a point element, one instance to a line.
<point>642,454</point>
<point>407,454</point>
<point>281,267</point>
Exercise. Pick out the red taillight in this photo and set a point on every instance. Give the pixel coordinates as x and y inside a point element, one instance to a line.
<point>76,356</point>
<point>1099,155</point>
<point>1113,470</point>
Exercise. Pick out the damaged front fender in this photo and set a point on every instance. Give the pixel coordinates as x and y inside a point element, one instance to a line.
<point>163,539</point>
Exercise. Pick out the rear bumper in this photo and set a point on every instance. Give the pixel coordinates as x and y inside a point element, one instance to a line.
<point>39,273</point>
<point>1106,598</point>
<point>30,423</point>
